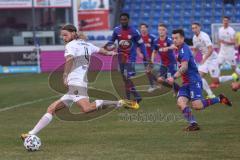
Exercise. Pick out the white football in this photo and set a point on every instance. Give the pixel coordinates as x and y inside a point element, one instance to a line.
<point>32,143</point>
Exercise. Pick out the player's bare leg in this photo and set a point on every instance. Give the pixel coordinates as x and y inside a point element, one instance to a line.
<point>88,107</point>
<point>182,103</point>
<point>46,118</point>
<point>222,79</point>
<point>206,86</point>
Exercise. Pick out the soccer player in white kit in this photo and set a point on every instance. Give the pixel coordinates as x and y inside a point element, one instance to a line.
<point>227,40</point>
<point>209,64</point>
<point>77,57</point>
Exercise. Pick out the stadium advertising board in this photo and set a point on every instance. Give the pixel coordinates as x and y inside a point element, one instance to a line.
<point>18,62</point>
<point>37,3</point>
<point>93,15</point>
<point>15,3</point>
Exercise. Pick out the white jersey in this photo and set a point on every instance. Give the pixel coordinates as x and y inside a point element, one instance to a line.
<point>81,52</point>
<point>226,34</point>
<point>202,42</point>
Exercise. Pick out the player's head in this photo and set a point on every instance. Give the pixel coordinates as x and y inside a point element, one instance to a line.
<point>162,30</point>
<point>225,21</point>
<point>68,33</point>
<point>196,28</point>
<point>178,37</point>
<point>143,28</point>
<point>124,19</point>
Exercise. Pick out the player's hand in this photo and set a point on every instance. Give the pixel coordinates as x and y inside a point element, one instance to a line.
<point>112,53</point>
<point>165,49</point>
<point>170,80</point>
<point>65,82</point>
<point>149,68</point>
<point>147,45</point>
<point>173,47</point>
<point>235,86</point>
<point>140,55</point>
<point>202,62</point>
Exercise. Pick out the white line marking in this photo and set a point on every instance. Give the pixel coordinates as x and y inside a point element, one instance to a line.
<point>26,103</point>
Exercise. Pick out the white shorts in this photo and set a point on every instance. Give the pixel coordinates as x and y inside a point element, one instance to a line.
<point>74,94</point>
<point>210,67</point>
<point>227,56</point>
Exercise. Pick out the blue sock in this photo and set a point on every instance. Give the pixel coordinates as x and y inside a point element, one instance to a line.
<point>187,113</point>
<point>176,87</point>
<point>210,101</point>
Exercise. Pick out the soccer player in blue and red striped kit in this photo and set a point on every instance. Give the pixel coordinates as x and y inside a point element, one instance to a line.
<point>128,39</point>
<point>191,89</point>
<point>163,45</point>
<point>148,40</point>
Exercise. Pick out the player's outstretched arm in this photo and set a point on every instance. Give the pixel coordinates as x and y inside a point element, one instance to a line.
<point>67,68</point>
<point>210,51</point>
<point>106,52</point>
<point>182,70</point>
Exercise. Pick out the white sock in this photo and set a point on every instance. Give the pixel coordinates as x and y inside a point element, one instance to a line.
<point>99,103</point>
<point>225,78</point>
<point>206,87</point>
<point>238,70</point>
<point>106,103</point>
<point>43,122</point>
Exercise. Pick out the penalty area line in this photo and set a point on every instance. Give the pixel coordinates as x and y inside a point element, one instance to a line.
<point>27,103</point>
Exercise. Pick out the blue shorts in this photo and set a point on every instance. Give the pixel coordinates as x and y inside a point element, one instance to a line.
<point>168,71</point>
<point>193,91</point>
<point>127,69</point>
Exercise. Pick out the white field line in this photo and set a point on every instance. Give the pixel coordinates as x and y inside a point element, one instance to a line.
<point>26,103</point>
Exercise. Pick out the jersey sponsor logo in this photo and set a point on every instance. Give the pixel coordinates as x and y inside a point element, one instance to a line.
<point>125,44</point>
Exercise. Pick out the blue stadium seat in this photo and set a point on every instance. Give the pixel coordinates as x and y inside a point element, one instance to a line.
<point>206,21</point>
<point>156,14</point>
<point>166,21</point>
<point>126,10</point>
<point>218,6</point>
<point>228,6</point>
<point>127,6</point>
<point>217,19</point>
<point>157,7</point>
<point>197,14</point>
<point>101,37</point>
<point>109,38</point>
<point>218,13</point>
<point>167,7</point>
<point>207,15</point>
<point>176,15</point>
<point>127,1</point>
<point>187,14</point>
<point>136,7</point>
<point>237,5</point>
<point>166,14</point>
<point>135,15</point>
<point>155,22</point>
<point>177,7</point>
<point>197,6</point>
<point>147,8</point>
<point>208,5</point>
<point>186,21</point>
<point>228,13</point>
<point>91,37</point>
<point>238,13</point>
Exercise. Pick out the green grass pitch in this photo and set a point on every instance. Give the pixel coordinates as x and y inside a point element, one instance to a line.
<point>154,132</point>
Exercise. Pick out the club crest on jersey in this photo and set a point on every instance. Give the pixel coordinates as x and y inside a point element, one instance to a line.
<point>125,44</point>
